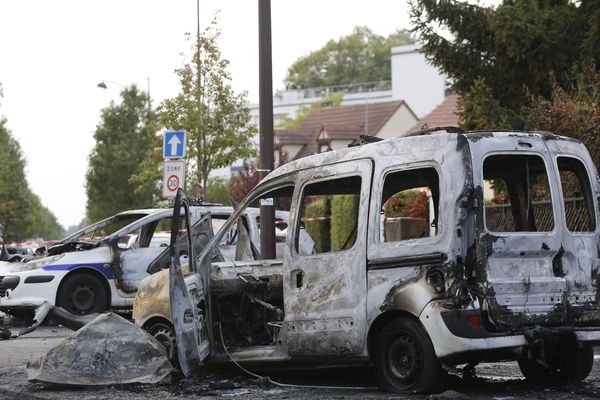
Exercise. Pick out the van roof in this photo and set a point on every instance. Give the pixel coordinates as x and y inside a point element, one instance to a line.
<point>415,140</point>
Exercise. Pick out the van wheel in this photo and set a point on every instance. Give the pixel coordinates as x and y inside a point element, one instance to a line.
<point>571,366</point>
<point>165,334</point>
<point>82,294</point>
<point>405,361</point>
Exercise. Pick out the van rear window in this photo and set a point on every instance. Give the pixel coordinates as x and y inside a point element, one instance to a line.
<point>577,195</point>
<point>517,194</point>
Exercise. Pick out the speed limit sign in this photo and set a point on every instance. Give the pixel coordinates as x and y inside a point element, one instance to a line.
<point>173,177</point>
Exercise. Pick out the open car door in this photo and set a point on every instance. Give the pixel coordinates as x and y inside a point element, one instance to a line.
<point>202,232</point>
<point>187,295</point>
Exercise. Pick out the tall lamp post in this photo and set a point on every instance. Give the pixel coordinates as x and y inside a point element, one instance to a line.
<point>267,162</point>
<point>102,84</point>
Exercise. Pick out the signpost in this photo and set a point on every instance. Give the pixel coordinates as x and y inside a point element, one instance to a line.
<point>174,167</point>
<point>173,177</point>
<point>174,144</point>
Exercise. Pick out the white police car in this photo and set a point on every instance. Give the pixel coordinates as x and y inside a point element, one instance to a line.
<point>96,268</point>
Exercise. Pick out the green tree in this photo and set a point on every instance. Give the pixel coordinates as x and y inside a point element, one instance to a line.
<point>218,191</point>
<point>21,211</point>
<point>498,59</point>
<point>124,137</point>
<point>319,229</point>
<point>14,197</point>
<point>217,120</point>
<point>359,57</point>
<point>344,210</point>
<point>572,111</point>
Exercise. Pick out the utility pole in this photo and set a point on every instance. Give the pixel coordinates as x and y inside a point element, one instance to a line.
<point>265,84</point>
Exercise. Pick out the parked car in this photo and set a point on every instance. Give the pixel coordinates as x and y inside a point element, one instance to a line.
<point>430,251</point>
<point>96,268</point>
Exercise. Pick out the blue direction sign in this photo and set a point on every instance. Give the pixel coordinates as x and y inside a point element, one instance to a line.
<point>174,144</point>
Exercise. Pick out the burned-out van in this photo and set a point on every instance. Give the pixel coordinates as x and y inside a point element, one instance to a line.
<point>426,252</point>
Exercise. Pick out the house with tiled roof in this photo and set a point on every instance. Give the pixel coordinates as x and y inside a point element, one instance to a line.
<point>332,128</point>
<point>445,114</point>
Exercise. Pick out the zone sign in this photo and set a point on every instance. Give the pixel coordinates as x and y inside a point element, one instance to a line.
<point>173,177</point>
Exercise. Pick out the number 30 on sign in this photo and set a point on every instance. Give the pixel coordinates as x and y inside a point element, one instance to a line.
<point>173,177</point>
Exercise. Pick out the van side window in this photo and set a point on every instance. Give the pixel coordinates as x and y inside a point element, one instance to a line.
<point>410,205</point>
<point>329,215</point>
<point>517,194</point>
<point>577,195</point>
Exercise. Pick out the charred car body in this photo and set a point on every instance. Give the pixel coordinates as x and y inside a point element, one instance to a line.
<point>451,248</point>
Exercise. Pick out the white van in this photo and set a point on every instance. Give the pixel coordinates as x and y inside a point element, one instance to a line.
<point>428,251</point>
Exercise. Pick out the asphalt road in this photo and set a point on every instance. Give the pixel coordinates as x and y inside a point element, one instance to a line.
<point>498,381</point>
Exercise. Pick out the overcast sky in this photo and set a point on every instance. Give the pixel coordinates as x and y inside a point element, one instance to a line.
<point>54,53</point>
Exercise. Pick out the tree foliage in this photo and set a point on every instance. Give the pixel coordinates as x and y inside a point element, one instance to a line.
<point>359,57</point>
<point>319,229</point>
<point>344,212</point>
<point>124,137</point>
<point>217,120</point>
<point>218,191</point>
<point>498,59</point>
<point>573,111</point>
<point>21,211</point>
<point>242,184</point>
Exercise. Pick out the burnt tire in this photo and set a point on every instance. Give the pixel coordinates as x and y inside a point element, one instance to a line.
<point>165,334</point>
<point>569,366</point>
<point>82,294</point>
<point>405,361</point>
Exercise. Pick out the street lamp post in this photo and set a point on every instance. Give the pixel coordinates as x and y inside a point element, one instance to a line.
<point>102,84</point>
<point>265,83</point>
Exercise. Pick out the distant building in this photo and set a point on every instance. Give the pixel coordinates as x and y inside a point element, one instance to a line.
<point>414,80</point>
<point>445,114</point>
<point>333,128</point>
<point>415,83</point>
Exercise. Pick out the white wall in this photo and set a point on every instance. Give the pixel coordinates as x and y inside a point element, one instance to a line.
<point>399,124</point>
<point>415,80</point>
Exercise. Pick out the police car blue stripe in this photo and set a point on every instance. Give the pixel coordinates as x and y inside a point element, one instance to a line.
<point>100,267</point>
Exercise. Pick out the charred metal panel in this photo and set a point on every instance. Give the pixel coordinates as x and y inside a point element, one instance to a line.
<point>188,298</point>
<point>528,278</point>
<point>397,270</point>
<point>324,291</point>
<point>153,299</point>
<point>107,351</point>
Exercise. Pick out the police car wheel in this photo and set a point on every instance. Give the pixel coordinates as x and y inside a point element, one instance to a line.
<point>82,294</point>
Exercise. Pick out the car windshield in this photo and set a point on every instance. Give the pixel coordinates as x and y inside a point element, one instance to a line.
<point>106,227</point>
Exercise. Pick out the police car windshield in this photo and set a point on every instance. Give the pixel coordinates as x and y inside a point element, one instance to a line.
<point>107,227</point>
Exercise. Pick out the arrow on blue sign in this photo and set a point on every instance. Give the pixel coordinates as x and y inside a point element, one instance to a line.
<point>174,144</point>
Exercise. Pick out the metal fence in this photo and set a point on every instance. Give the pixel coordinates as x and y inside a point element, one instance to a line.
<point>499,217</point>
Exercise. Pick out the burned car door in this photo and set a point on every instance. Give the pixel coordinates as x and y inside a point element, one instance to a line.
<point>202,232</point>
<point>187,297</point>
<point>577,261</point>
<point>325,285</point>
<point>133,252</point>
<point>519,232</point>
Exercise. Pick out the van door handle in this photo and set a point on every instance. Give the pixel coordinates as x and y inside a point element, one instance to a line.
<point>297,280</point>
